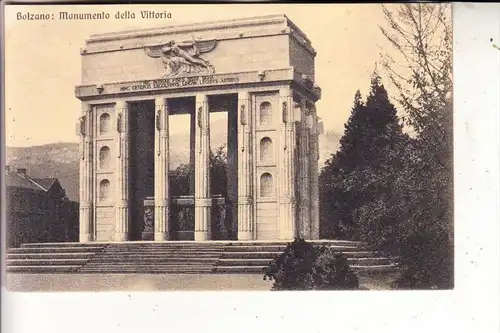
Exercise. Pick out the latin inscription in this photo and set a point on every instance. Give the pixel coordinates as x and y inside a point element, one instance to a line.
<point>180,82</point>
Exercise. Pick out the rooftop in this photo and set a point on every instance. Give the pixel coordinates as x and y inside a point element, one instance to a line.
<point>200,26</point>
<point>19,178</point>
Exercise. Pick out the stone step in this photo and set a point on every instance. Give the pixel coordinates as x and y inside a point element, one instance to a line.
<point>260,269</point>
<point>274,254</point>
<point>45,262</point>
<point>158,251</point>
<point>373,269</point>
<point>285,243</point>
<point>166,245</point>
<point>264,261</point>
<point>147,271</point>
<point>280,248</point>
<point>143,268</point>
<point>138,256</point>
<point>43,269</point>
<point>60,244</point>
<point>240,269</point>
<point>165,250</point>
<point>146,267</point>
<point>250,255</point>
<point>61,255</point>
<point>153,260</point>
<point>54,249</point>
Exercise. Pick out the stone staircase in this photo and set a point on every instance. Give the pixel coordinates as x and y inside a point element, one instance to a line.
<point>173,257</point>
<point>50,257</point>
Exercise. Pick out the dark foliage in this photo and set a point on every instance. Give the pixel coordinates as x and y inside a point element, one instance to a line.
<point>346,181</point>
<point>302,266</point>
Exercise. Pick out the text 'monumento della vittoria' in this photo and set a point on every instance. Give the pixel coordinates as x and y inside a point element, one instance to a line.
<point>260,71</point>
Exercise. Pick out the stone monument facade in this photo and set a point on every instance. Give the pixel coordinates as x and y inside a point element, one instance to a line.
<point>260,71</point>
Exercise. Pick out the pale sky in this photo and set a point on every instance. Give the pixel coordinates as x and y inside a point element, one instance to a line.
<point>43,61</point>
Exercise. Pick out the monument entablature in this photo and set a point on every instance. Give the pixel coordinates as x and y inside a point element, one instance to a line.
<point>260,71</point>
<point>223,81</point>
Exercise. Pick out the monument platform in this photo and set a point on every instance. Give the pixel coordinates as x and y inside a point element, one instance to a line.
<point>242,257</point>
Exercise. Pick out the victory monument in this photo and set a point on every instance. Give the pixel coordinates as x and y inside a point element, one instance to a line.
<point>260,71</point>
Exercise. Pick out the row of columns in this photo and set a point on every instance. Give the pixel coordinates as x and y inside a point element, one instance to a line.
<point>306,226</point>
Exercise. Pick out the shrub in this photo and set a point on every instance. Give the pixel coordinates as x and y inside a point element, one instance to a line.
<point>331,271</point>
<point>302,266</point>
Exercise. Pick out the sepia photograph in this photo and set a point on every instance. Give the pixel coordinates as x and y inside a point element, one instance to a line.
<point>229,147</point>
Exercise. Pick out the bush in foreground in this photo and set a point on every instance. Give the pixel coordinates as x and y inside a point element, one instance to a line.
<point>302,266</point>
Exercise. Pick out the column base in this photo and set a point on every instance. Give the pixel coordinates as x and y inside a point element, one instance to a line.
<point>121,237</point>
<point>147,236</point>
<point>201,235</point>
<point>160,236</point>
<point>85,238</point>
<point>245,235</point>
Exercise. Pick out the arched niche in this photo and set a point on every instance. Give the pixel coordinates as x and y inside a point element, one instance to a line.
<point>104,158</point>
<point>266,185</point>
<point>104,123</point>
<point>265,114</point>
<point>104,190</point>
<point>266,149</point>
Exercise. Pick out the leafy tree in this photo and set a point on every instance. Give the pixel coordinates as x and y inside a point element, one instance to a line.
<point>180,177</point>
<point>218,171</point>
<point>422,191</point>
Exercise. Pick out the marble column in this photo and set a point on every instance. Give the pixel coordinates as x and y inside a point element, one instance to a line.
<point>203,201</point>
<point>303,174</point>
<point>245,171</point>
<point>314,157</point>
<point>122,217</point>
<point>192,151</point>
<point>86,174</point>
<point>287,221</point>
<point>161,192</point>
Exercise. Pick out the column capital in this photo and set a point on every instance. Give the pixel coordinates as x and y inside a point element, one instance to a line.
<point>86,107</point>
<point>160,101</point>
<point>121,105</point>
<point>244,94</point>
<point>201,97</point>
<point>286,92</point>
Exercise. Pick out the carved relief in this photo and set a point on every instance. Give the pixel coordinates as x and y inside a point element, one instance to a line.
<point>148,218</point>
<point>183,58</point>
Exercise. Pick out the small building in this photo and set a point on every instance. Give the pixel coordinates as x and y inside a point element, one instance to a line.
<point>38,210</point>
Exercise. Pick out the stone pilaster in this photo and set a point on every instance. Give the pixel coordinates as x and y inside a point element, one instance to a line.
<point>245,170</point>
<point>314,157</point>
<point>203,201</point>
<point>161,192</point>
<point>86,174</point>
<point>287,220</point>
<point>122,172</point>
<point>303,174</point>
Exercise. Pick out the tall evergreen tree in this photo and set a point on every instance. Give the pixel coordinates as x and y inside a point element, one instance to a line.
<point>347,181</point>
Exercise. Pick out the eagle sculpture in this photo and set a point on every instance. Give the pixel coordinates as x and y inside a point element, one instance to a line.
<point>184,57</point>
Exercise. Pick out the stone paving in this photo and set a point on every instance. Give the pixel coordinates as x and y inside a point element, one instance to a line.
<point>151,282</point>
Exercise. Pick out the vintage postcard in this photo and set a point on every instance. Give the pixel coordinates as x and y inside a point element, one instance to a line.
<point>152,150</point>
<point>229,147</point>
